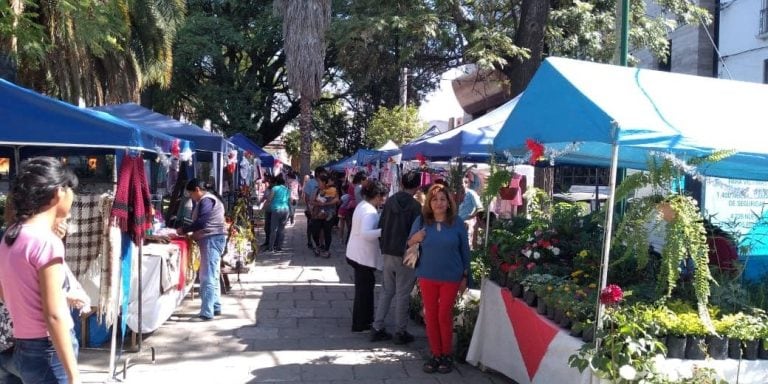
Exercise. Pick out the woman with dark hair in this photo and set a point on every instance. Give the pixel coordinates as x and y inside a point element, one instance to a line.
<point>363,253</point>
<point>442,271</point>
<point>32,273</point>
<point>278,202</point>
<point>209,231</point>
<point>323,207</point>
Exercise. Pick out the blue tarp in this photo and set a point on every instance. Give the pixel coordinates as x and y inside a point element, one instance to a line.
<point>245,143</point>
<point>472,141</point>
<point>362,157</point>
<point>204,140</point>
<point>29,118</point>
<point>594,105</point>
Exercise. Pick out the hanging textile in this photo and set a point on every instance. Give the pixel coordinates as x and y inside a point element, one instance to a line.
<point>110,275</point>
<point>85,238</point>
<point>133,202</point>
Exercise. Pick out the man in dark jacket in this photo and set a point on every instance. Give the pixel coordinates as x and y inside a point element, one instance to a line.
<point>400,211</point>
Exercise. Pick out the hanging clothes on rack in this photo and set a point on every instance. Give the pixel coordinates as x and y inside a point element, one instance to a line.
<point>133,192</point>
<point>85,238</point>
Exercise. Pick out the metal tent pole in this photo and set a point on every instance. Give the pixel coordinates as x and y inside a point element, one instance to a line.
<point>607,237</point>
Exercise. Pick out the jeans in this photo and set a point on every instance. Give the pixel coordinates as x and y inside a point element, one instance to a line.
<point>211,248</point>
<point>38,363</point>
<point>438,298</point>
<point>279,219</point>
<point>9,373</point>
<point>267,226</point>
<point>362,306</point>
<point>397,281</point>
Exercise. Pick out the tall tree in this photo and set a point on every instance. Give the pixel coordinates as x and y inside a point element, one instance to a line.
<point>305,24</point>
<point>398,124</point>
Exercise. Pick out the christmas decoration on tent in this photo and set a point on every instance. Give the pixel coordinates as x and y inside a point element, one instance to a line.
<point>536,148</point>
<point>422,160</point>
<point>162,158</point>
<point>232,161</point>
<point>186,153</point>
<point>175,148</point>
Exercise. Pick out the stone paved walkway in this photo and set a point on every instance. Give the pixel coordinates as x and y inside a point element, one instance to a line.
<point>287,321</point>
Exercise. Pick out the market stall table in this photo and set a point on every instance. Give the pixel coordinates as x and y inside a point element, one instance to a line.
<point>511,338</point>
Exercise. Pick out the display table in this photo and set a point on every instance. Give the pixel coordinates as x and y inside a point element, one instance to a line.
<point>511,338</point>
<point>163,288</point>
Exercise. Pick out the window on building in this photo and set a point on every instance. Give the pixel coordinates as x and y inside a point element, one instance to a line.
<point>764,18</point>
<point>765,71</point>
<point>665,64</point>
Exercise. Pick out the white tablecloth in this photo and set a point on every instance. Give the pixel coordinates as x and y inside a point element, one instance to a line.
<point>512,339</point>
<point>157,307</point>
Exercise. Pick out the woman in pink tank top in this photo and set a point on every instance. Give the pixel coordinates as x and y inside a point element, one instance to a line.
<point>32,273</point>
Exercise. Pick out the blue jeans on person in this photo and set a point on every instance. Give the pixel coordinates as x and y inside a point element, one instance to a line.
<point>37,362</point>
<point>279,220</point>
<point>211,248</point>
<point>8,372</point>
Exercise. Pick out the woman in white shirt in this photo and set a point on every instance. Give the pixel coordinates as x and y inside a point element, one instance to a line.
<point>363,253</point>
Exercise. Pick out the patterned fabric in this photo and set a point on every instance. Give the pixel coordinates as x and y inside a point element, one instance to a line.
<point>6,328</point>
<point>110,275</point>
<point>132,199</point>
<point>85,237</point>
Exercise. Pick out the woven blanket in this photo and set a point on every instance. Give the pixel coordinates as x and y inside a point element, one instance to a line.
<point>85,235</point>
<point>132,205</point>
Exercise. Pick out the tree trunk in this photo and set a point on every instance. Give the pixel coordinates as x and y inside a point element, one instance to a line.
<point>530,34</point>
<point>305,126</point>
<point>9,45</point>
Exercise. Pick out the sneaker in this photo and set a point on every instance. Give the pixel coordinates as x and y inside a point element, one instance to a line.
<point>217,313</point>
<point>446,364</point>
<point>198,319</point>
<point>380,335</point>
<point>403,338</point>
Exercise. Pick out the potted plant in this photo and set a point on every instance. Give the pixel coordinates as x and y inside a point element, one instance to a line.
<point>717,345</point>
<point>533,284</point>
<point>694,330</point>
<point>671,326</point>
<point>743,335</point>
<point>684,233</point>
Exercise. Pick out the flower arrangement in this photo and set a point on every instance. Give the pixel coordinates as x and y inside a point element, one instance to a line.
<point>611,295</point>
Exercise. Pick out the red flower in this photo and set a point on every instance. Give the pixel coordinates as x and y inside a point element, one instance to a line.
<point>494,249</point>
<point>545,243</point>
<point>505,267</point>
<point>530,265</point>
<point>611,295</point>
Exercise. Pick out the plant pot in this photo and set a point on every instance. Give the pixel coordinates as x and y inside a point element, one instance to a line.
<point>675,347</point>
<point>550,311</point>
<point>667,213</point>
<point>516,289</point>
<point>530,298</point>
<point>541,307</point>
<point>750,349</point>
<point>734,349</point>
<point>576,330</point>
<point>717,347</point>
<point>762,351</point>
<point>559,314</point>
<point>501,278</point>
<point>565,322</point>
<point>588,335</point>
<point>695,349</point>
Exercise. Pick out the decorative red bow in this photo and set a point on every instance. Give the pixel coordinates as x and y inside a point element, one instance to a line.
<point>175,148</point>
<point>422,160</point>
<point>536,148</point>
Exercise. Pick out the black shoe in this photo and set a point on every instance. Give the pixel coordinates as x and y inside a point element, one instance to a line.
<point>198,319</point>
<point>310,246</point>
<point>430,366</point>
<point>403,338</point>
<point>380,335</point>
<point>217,313</point>
<point>446,364</point>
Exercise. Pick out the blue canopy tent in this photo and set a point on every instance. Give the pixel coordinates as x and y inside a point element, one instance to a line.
<point>619,114</point>
<point>210,146</point>
<point>472,141</point>
<point>32,119</point>
<point>362,158</point>
<point>246,144</point>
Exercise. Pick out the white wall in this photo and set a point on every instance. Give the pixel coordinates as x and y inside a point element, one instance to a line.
<point>743,50</point>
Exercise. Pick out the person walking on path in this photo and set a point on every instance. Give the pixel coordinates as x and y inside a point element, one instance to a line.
<point>397,217</point>
<point>280,206</point>
<point>292,183</point>
<point>442,272</point>
<point>468,210</point>
<point>209,231</point>
<point>363,253</point>
<point>323,208</point>
<point>309,192</point>
<point>32,274</point>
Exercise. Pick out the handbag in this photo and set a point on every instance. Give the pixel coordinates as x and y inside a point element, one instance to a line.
<point>411,256</point>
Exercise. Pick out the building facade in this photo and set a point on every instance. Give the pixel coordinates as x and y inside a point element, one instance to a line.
<point>744,40</point>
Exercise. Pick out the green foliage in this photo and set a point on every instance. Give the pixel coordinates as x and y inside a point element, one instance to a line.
<point>498,177</point>
<point>398,124</point>
<point>334,128</point>
<point>745,326</point>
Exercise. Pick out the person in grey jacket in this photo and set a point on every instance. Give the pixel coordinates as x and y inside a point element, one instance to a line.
<point>209,231</point>
<point>399,213</point>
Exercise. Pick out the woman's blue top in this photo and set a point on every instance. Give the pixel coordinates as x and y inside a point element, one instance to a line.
<point>444,253</point>
<point>280,197</point>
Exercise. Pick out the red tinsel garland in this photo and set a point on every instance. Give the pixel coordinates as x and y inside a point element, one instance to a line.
<point>536,148</point>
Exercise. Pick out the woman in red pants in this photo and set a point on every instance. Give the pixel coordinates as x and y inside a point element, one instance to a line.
<point>442,271</point>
